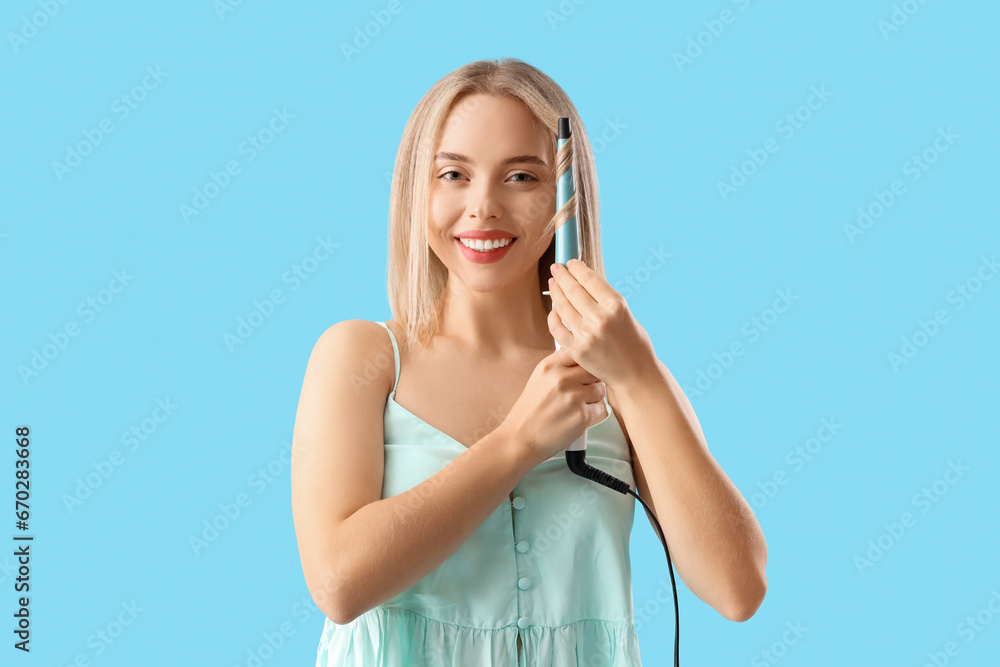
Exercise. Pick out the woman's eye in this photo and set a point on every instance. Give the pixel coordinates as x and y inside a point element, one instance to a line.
<point>528,178</point>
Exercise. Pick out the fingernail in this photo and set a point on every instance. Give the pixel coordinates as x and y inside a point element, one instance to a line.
<point>556,267</point>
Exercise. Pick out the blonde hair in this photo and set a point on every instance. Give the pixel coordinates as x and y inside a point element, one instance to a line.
<point>416,276</point>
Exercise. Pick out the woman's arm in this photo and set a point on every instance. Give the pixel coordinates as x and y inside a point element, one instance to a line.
<point>713,536</point>
<point>359,550</point>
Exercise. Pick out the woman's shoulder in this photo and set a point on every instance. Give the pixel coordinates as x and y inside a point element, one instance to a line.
<point>361,335</point>
<point>359,330</point>
<point>367,343</point>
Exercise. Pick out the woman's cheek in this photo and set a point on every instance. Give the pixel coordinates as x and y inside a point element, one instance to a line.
<point>539,206</point>
<point>443,209</point>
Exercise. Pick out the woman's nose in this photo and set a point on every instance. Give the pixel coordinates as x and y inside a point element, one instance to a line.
<point>484,201</point>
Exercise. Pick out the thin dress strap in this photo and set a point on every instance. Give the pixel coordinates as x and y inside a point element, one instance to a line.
<point>395,358</point>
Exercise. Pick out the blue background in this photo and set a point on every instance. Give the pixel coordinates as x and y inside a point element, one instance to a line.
<point>682,127</point>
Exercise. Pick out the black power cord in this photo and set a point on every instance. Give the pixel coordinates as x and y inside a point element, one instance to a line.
<point>577,462</point>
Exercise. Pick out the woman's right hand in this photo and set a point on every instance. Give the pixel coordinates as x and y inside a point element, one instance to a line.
<point>560,401</point>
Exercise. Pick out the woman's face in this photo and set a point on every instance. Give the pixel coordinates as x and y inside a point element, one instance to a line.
<point>493,171</point>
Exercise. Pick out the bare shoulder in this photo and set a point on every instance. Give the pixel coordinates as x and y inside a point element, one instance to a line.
<point>337,446</point>
<point>368,347</point>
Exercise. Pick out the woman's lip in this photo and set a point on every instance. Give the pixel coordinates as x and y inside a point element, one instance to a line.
<point>480,257</point>
<point>473,238</point>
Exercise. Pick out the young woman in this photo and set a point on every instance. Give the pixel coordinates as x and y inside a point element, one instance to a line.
<point>437,521</point>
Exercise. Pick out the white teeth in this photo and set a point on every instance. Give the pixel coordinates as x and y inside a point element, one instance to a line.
<point>485,246</point>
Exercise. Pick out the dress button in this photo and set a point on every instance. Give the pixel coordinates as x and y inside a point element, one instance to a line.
<point>522,622</point>
<point>524,583</point>
<point>518,503</point>
<point>522,546</point>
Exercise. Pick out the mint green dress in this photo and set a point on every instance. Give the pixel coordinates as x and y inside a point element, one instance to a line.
<point>552,566</point>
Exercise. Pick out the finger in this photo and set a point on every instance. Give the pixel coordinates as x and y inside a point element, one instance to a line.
<point>600,391</point>
<point>570,316</point>
<point>562,335</point>
<point>596,287</point>
<point>601,411</point>
<point>573,293</point>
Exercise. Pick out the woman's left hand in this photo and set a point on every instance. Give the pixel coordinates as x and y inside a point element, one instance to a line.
<point>592,321</point>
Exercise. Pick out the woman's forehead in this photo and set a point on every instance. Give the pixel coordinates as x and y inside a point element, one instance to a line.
<point>487,125</point>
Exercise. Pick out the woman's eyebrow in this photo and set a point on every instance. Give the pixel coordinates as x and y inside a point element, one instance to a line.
<point>516,159</point>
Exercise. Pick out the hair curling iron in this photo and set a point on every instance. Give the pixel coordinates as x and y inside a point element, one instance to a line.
<point>567,248</point>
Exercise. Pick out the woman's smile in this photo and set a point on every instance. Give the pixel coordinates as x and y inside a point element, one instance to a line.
<point>484,252</point>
